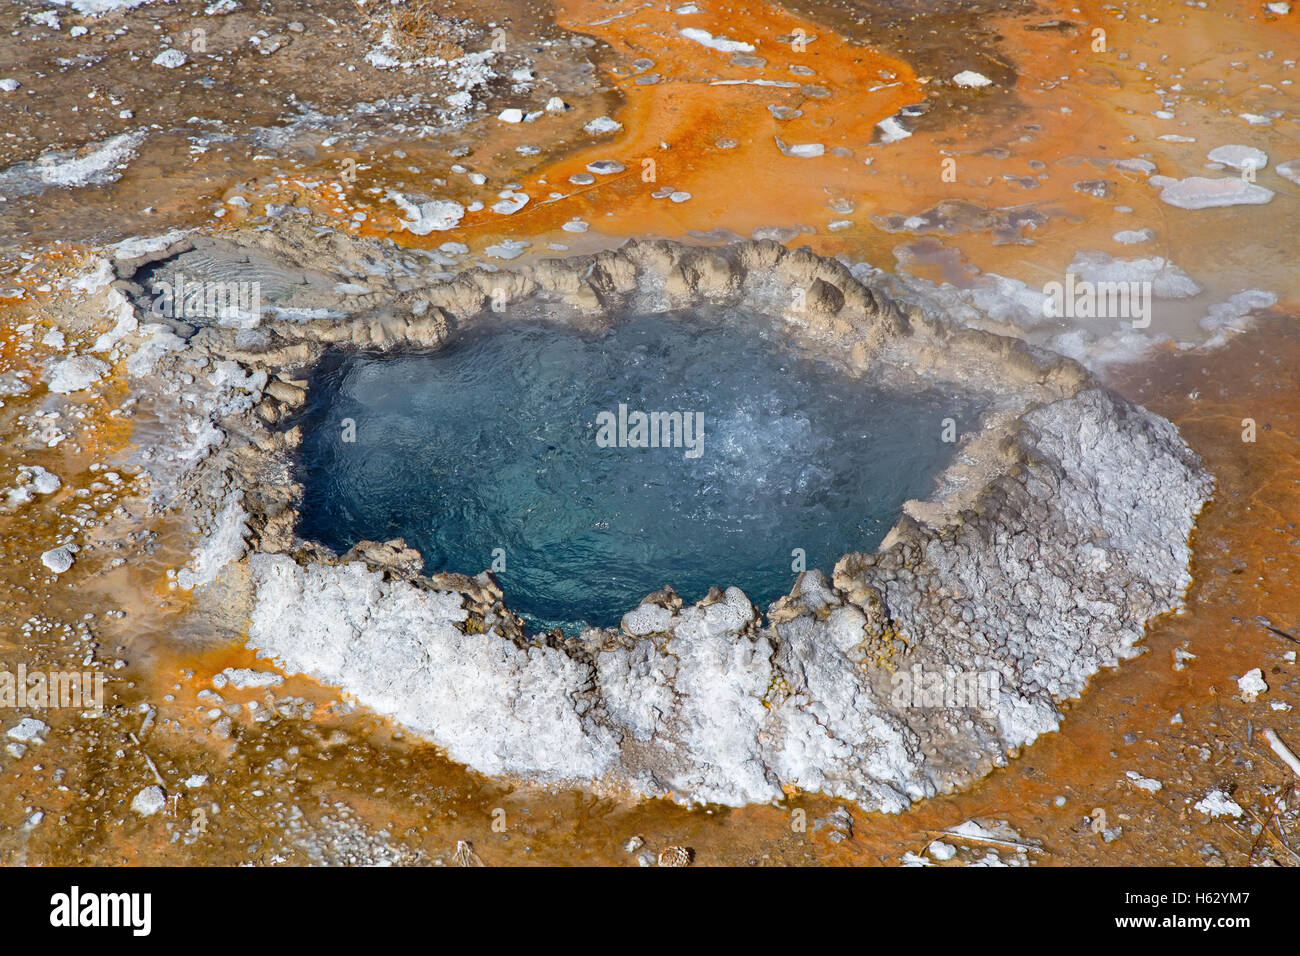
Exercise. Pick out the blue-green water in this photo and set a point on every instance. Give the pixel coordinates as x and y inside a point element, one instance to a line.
<point>492,450</point>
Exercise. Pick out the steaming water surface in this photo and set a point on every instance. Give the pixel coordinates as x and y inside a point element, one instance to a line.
<point>496,442</point>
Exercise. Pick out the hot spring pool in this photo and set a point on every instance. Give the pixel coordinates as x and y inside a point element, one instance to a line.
<point>518,447</point>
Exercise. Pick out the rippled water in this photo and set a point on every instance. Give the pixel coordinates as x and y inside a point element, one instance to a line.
<point>495,442</point>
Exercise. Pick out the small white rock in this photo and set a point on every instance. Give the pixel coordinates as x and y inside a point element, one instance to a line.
<point>44,482</point>
<point>57,560</point>
<point>603,124</point>
<point>892,130</point>
<point>1251,684</point>
<point>29,730</point>
<point>511,116</point>
<point>969,78</point>
<point>942,851</point>
<point>149,801</point>
<point>1144,783</point>
<point>800,150</point>
<point>1216,803</point>
<point>170,59</point>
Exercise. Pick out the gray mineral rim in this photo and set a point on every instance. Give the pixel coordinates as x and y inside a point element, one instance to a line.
<point>1060,528</point>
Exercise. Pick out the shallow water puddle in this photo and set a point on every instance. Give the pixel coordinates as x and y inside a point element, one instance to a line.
<point>588,469</point>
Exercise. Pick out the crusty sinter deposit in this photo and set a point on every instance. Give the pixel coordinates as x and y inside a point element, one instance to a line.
<point>1060,528</point>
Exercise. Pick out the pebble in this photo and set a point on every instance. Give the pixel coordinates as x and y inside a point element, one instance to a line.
<point>969,79</point>
<point>1216,803</point>
<point>892,130</point>
<point>1251,684</point>
<point>1143,783</point>
<point>942,851</point>
<point>603,124</point>
<point>170,59</point>
<point>29,730</point>
<point>44,482</point>
<point>149,801</point>
<point>800,150</point>
<point>57,560</point>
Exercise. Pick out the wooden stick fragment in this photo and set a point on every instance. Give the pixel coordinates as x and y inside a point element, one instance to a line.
<point>1283,754</point>
<point>152,766</point>
<point>987,841</point>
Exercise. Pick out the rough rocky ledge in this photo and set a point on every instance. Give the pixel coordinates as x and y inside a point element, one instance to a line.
<point>1059,530</point>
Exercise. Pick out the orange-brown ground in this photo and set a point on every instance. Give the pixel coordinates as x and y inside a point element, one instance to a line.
<point>321,757</point>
